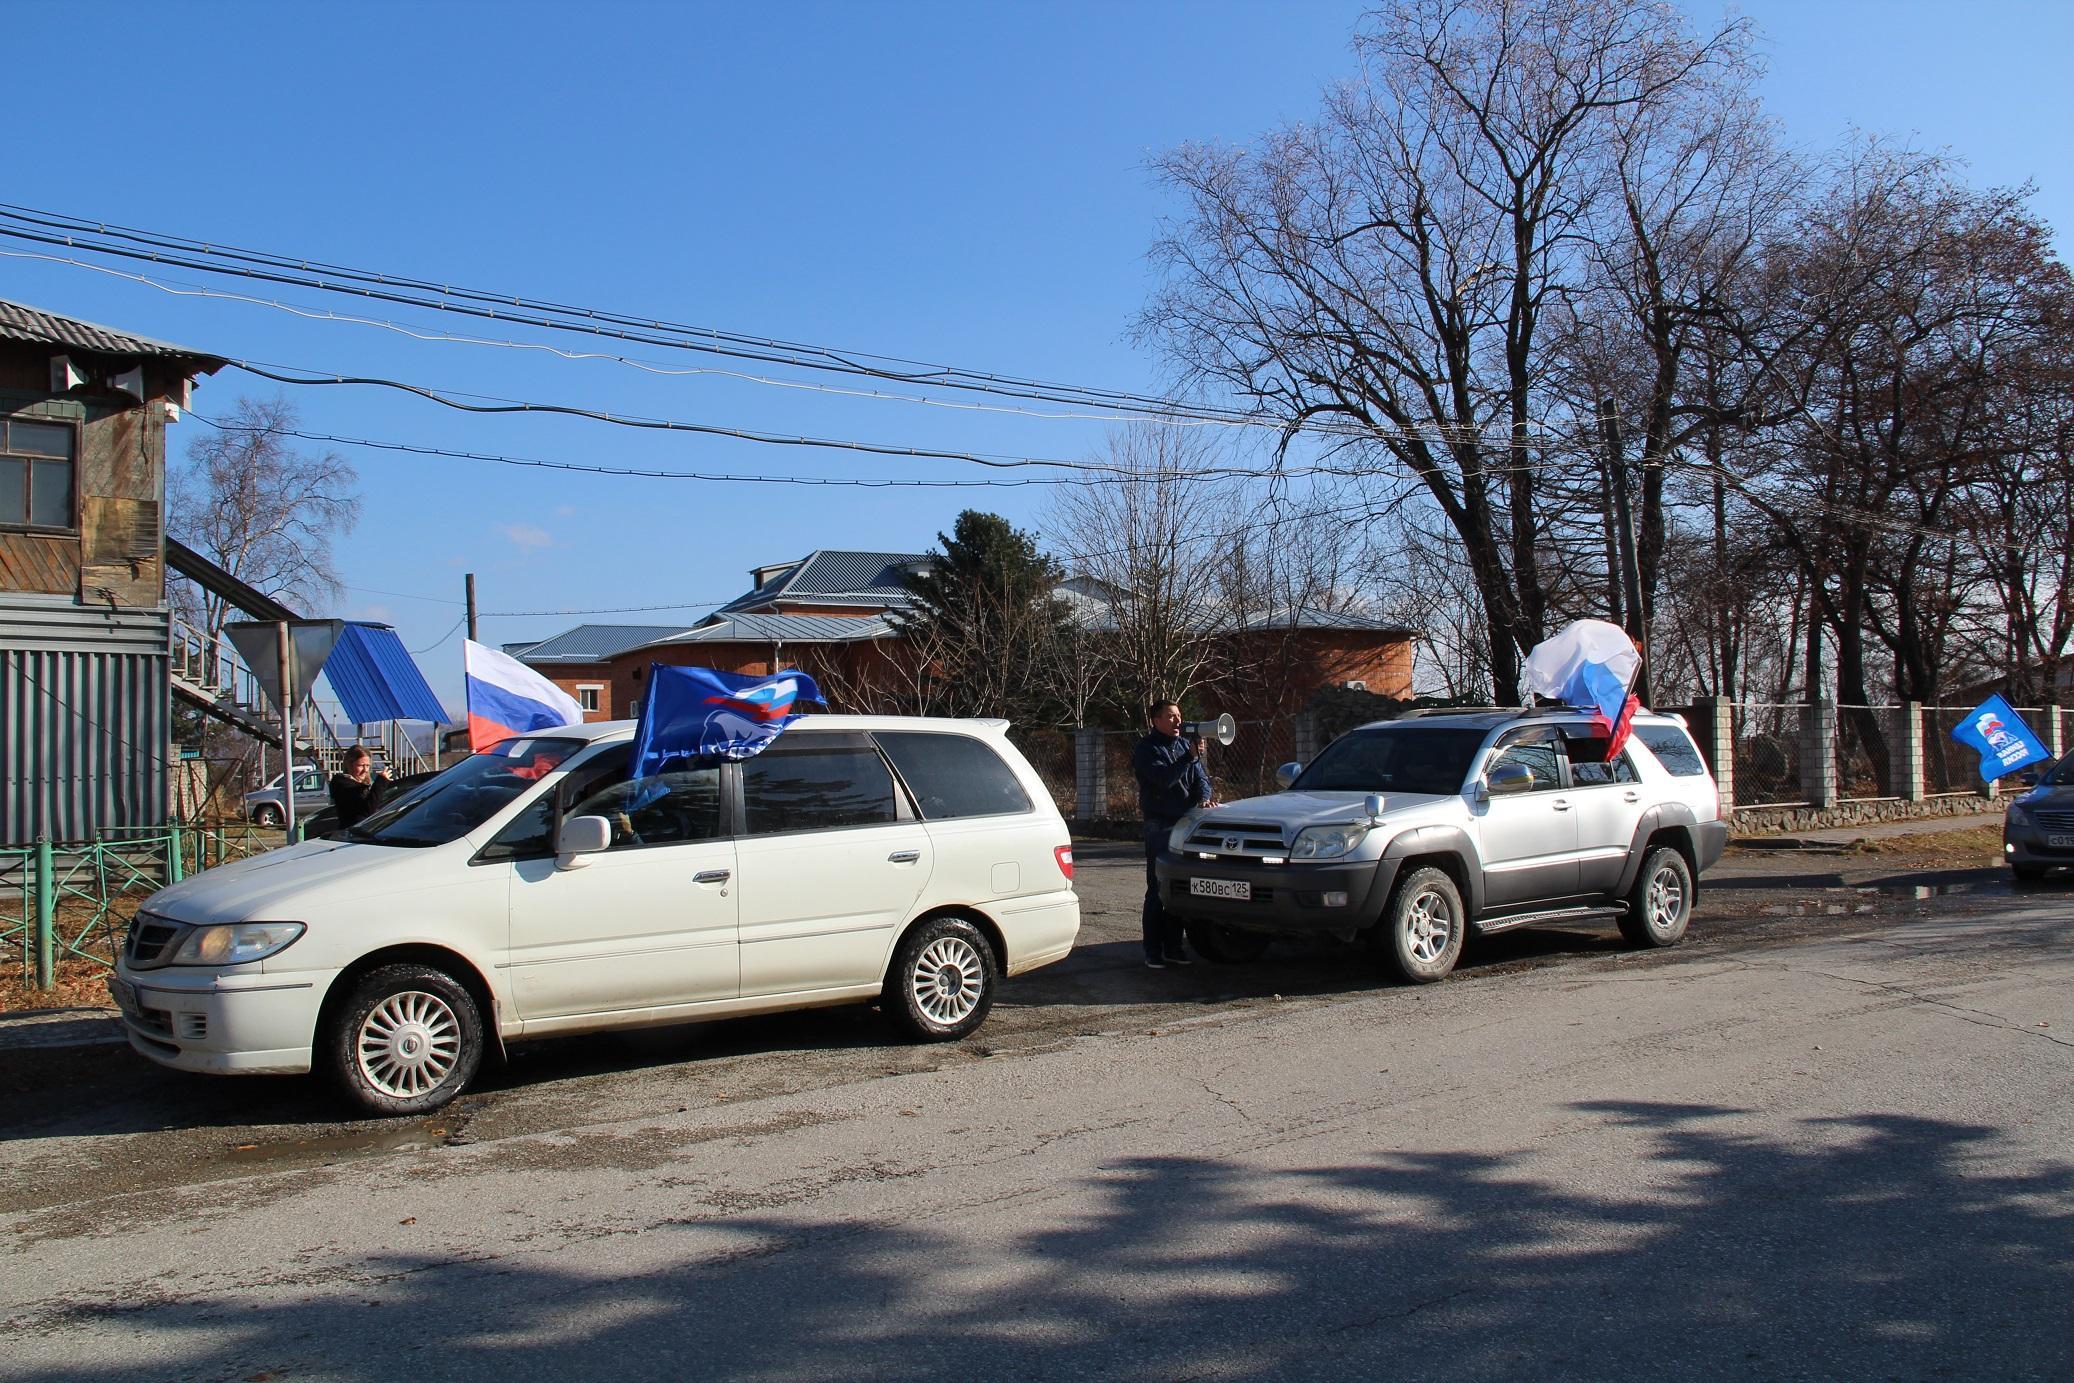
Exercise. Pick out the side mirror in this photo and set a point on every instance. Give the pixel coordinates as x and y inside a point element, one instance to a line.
<point>1286,775</point>
<point>1505,779</point>
<point>1373,806</point>
<point>2029,777</point>
<point>579,838</point>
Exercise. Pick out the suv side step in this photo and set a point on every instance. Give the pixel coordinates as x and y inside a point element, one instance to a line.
<point>1485,927</point>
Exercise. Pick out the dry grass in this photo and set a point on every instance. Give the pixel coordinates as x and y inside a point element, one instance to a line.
<point>1978,843</point>
<point>81,984</point>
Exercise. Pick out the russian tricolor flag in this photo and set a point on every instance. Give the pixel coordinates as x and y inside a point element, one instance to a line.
<point>506,698</point>
<point>1590,665</point>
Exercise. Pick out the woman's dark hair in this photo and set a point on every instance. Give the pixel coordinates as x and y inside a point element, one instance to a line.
<point>355,755</point>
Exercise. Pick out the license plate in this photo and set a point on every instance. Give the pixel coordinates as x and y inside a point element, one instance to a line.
<point>1221,888</point>
<point>125,994</point>
<point>2060,842</point>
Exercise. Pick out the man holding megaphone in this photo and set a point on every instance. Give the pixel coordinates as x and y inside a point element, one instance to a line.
<point>1171,780</point>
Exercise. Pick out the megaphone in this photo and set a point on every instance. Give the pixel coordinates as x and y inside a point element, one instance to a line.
<point>1223,729</point>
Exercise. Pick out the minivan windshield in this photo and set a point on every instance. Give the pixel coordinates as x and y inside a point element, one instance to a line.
<point>1420,758</point>
<point>466,795</point>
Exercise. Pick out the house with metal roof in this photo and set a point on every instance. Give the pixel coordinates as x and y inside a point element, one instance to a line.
<point>831,614</point>
<point>85,706</point>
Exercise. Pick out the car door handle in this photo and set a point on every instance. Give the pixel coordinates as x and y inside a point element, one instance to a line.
<point>1560,805</point>
<point>710,876</point>
<point>904,856</point>
<point>1631,796</point>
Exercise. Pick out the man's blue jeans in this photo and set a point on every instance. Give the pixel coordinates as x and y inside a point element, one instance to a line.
<point>1162,933</point>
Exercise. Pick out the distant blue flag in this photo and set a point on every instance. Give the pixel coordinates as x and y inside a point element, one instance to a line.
<point>2004,742</point>
<point>696,712</point>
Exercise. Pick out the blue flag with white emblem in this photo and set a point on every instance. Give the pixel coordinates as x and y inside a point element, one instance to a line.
<point>1999,735</point>
<point>698,712</point>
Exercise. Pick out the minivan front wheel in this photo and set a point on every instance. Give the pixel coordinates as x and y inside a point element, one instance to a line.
<point>406,1040</point>
<point>942,982</point>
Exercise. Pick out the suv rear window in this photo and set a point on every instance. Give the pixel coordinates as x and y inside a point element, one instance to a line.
<point>1674,749</point>
<point>953,775</point>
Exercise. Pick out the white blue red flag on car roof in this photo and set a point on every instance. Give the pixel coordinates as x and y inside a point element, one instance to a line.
<point>506,698</point>
<point>1590,665</point>
<point>697,712</point>
<point>1998,734</point>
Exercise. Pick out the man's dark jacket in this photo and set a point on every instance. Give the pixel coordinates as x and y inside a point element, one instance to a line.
<point>1170,779</point>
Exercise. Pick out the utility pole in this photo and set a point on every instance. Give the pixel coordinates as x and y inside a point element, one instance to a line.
<point>1624,519</point>
<point>286,671</point>
<point>470,580</point>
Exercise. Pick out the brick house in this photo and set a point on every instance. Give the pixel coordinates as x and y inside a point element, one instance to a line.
<point>826,614</point>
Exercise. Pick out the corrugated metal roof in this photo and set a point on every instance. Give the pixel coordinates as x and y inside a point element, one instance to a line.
<point>20,322</point>
<point>594,643</point>
<point>784,629</point>
<point>836,577</point>
<point>376,680</point>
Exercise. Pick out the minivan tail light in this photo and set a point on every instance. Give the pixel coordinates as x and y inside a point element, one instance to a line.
<point>1064,855</point>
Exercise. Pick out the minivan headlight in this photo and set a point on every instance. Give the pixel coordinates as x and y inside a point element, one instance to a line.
<point>236,943</point>
<point>1328,842</point>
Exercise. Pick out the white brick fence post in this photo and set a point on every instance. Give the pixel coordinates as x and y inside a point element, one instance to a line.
<point>1090,775</point>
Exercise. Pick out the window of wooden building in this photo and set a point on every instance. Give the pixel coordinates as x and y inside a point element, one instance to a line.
<point>37,473</point>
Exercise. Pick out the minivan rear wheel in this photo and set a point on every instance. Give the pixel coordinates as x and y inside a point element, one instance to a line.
<point>942,982</point>
<point>406,1040</point>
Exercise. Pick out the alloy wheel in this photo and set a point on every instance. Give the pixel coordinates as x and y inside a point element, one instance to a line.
<point>947,980</point>
<point>408,1044</point>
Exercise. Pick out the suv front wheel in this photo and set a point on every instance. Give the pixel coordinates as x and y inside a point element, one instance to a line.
<point>1660,905</point>
<point>1423,928</point>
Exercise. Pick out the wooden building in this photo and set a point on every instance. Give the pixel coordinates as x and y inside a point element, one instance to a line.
<point>85,719</point>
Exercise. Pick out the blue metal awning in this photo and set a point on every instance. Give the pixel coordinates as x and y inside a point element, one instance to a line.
<point>375,679</point>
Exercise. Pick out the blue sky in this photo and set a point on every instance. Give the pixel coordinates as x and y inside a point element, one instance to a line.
<point>952,183</point>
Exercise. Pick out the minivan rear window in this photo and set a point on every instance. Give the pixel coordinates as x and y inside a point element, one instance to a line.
<point>953,775</point>
<point>1674,749</point>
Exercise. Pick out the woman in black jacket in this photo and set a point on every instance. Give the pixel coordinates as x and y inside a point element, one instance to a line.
<point>358,790</point>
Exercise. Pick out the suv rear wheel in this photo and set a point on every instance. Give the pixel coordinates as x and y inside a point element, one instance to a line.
<point>1423,928</point>
<point>1660,904</point>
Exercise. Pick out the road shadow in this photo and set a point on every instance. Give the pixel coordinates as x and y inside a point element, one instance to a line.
<point>1875,1246</point>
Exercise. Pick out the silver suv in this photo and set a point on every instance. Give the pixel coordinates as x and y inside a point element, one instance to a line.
<point>1411,832</point>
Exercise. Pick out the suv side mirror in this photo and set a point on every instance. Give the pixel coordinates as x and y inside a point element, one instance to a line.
<point>1286,775</point>
<point>1372,807</point>
<point>2029,777</point>
<point>580,837</point>
<point>1505,779</point>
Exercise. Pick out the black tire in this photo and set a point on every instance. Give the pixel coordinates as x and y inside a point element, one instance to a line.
<point>1214,941</point>
<point>942,982</point>
<point>268,817</point>
<point>1660,903</point>
<point>1423,927</point>
<point>406,1040</point>
<point>2027,873</point>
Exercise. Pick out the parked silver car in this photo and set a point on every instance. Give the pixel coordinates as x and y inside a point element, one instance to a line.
<point>265,806</point>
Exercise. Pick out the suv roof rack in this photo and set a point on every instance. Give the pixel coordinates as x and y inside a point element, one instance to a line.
<point>1424,712</point>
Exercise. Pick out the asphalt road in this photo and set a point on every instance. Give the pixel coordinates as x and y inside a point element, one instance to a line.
<point>1827,1137</point>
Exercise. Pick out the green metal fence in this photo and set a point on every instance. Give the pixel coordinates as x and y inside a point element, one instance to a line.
<point>76,899</point>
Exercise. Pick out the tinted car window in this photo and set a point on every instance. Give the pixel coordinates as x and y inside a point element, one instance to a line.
<point>1588,766</point>
<point>953,775</point>
<point>804,786</point>
<point>679,804</point>
<point>1673,748</point>
<point>1393,758</point>
<point>466,795</point>
<point>1537,756</point>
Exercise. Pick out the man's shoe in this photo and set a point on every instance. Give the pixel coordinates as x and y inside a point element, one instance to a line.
<point>1177,958</point>
<point>1154,963</point>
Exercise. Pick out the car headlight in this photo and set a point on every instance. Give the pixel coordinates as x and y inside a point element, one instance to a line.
<point>235,943</point>
<point>1178,836</point>
<point>2019,814</point>
<point>1328,842</point>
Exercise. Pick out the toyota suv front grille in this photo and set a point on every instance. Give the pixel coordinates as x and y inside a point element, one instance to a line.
<point>1236,838</point>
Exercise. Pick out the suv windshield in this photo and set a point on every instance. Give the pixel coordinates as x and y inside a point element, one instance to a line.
<point>466,795</point>
<point>1394,758</point>
<point>2059,775</point>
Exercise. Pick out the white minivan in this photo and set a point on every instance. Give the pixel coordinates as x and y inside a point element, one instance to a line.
<point>534,889</point>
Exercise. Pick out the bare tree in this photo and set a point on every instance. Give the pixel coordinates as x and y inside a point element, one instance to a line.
<point>1383,274</point>
<point>1148,545</point>
<point>264,511</point>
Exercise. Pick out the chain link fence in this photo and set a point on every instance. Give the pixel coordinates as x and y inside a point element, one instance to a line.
<point>1767,754</point>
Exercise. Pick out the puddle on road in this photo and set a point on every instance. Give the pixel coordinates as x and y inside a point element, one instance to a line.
<point>1817,909</point>
<point>1861,900</point>
<point>340,1145</point>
